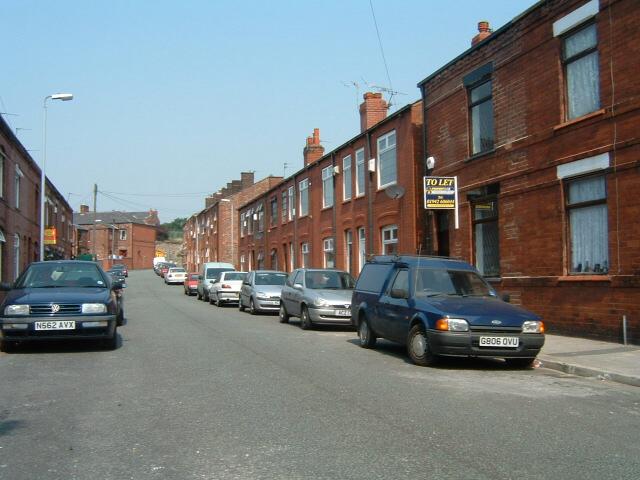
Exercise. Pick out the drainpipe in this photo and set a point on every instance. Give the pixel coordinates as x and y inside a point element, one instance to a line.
<point>427,214</point>
<point>334,214</point>
<point>369,193</point>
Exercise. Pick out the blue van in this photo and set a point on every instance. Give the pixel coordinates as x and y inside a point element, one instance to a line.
<point>440,306</point>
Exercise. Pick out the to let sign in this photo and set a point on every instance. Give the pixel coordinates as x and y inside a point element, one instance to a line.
<point>50,236</point>
<point>440,193</point>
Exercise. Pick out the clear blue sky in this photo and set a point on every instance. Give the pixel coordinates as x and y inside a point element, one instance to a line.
<point>181,96</point>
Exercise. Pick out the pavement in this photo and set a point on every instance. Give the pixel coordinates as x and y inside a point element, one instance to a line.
<point>591,358</point>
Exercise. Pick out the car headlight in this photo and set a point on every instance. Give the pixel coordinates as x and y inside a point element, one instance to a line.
<point>94,308</point>
<point>262,296</point>
<point>452,325</point>
<point>321,302</point>
<point>16,310</point>
<point>533,326</point>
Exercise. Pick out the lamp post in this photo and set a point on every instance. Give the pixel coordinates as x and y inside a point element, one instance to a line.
<point>43,177</point>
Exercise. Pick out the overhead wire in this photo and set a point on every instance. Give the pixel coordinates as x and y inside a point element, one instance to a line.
<point>384,59</point>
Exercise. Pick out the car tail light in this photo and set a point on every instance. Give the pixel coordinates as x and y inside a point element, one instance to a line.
<point>224,285</point>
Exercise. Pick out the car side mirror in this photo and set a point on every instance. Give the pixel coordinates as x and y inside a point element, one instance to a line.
<point>506,297</point>
<point>5,287</point>
<point>399,293</point>
<point>298,286</point>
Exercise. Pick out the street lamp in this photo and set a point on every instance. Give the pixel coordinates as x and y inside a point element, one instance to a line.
<point>65,97</point>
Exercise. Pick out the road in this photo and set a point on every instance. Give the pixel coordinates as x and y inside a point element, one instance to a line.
<point>200,392</point>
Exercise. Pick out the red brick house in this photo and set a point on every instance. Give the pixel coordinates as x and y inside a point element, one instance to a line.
<point>117,237</point>
<point>358,199</point>
<point>539,121</point>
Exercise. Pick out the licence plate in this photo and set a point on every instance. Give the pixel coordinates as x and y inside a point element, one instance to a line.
<point>56,325</point>
<point>504,342</point>
<point>271,302</point>
<point>343,313</point>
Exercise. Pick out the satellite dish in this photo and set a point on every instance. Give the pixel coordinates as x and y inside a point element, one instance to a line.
<point>394,191</point>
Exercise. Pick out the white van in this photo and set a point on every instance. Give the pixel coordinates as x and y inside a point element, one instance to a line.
<point>209,273</point>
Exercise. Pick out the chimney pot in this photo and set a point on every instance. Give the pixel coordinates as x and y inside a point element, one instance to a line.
<point>372,110</point>
<point>484,30</point>
<point>313,150</point>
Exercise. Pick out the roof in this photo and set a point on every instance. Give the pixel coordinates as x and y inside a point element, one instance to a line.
<point>116,217</point>
<point>422,260</point>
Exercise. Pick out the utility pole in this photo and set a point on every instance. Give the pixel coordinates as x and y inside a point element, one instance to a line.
<point>113,241</point>
<point>93,231</point>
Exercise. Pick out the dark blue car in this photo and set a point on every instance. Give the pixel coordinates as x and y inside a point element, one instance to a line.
<point>61,300</point>
<point>441,307</point>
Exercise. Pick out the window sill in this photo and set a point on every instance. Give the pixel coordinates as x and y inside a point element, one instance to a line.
<point>583,118</point>
<point>330,207</point>
<point>480,155</point>
<point>584,278</point>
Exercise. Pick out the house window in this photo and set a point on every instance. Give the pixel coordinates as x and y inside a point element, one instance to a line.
<point>284,206</point>
<point>362,250</point>
<point>242,262</point>
<point>274,259</point>
<point>304,197</point>
<point>273,219</point>
<point>250,220</point>
<point>306,255</point>
<point>485,232</point>
<point>348,254</point>
<point>327,187</point>
<point>243,224</point>
<point>329,255</point>
<point>387,165</point>
<point>587,208</point>
<point>18,178</point>
<point>360,172</point>
<point>346,178</point>
<point>123,234</point>
<point>260,218</point>
<point>582,74</point>
<point>390,240</point>
<point>481,115</point>
<point>292,208</point>
<point>260,264</point>
<point>16,256</point>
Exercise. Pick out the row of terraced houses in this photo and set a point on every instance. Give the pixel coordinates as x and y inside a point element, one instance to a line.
<point>539,123</point>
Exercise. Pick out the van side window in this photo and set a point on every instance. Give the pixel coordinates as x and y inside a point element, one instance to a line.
<point>373,276</point>
<point>401,281</point>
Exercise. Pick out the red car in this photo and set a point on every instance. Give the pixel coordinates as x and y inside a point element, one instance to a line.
<point>191,284</point>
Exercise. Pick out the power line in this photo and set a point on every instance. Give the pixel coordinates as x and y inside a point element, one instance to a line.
<point>384,60</point>
<point>184,194</point>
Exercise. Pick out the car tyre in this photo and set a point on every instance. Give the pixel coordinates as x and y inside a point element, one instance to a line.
<point>305,320</point>
<point>252,307</point>
<point>120,318</point>
<point>418,347</point>
<point>283,316</point>
<point>520,362</point>
<point>366,335</point>
<point>211,302</point>
<point>198,296</point>
<point>7,346</point>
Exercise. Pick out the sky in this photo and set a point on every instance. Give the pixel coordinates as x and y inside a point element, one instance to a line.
<point>173,99</point>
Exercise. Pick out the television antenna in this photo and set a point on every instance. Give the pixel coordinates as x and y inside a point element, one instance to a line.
<point>356,85</point>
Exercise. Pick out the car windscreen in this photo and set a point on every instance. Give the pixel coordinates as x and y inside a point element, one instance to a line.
<point>52,275</point>
<point>177,270</point>
<point>441,281</point>
<point>193,276</point>
<point>215,272</point>
<point>271,278</point>
<point>328,279</point>
<point>234,276</point>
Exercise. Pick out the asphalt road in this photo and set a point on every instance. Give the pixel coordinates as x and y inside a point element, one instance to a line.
<point>200,392</point>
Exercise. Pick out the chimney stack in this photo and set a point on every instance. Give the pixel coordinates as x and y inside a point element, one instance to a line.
<point>84,208</point>
<point>483,32</point>
<point>313,150</point>
<point>372,110</point>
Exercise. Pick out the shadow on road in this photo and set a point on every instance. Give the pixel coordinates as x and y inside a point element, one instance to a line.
<point>7,426</point>
<point>61,346</point>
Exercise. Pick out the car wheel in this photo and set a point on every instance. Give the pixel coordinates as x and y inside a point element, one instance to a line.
<point>111,343</point>
<point>366,335</point>
<point>418,347</point>
<point>252,308</point>
<point>283,316</point>
<point>520,362</point>
<point>198,296</point>
<point>305,320</point>
<point>7,346</point>
<point>205,296</point>
<point>210,299</point>
<point>120,318</point>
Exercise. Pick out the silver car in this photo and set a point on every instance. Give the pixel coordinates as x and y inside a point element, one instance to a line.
<point>317,296</point>
<point>261,291</point>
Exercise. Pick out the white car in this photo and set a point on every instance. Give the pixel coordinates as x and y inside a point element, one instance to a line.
<point>175,275</point>
<point>227,288</point>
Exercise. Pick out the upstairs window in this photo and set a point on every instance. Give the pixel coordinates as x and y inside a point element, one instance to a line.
<point>387,164</point>
<point>346,178</point>
<point>243,225</point>
<point>292,209</point>
<point>18,179</point>
<point>123,234</point>
<point>260,218</point>
<point>360,172</point>
<point>284,206</point>
<point>582,72</point>
<point>304,197</point>
<point>273,217</point>
<point>327,187</point>
<point>481,115</point>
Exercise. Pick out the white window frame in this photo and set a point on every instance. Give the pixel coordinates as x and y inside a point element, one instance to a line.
<point>327,187</point>
<point>291,257</point>
<point>17,179</point>
<point>303,189</point>
<point>392,240</point>
<point>362,247</point>
<point>123,234</point>
<point>243,224</point>
<point>347,182</point>
<point>384,146</point>
<point>292,203</point>
<point>328,250</point>
<point>360,172</point>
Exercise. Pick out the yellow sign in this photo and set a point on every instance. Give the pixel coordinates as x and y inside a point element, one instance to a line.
<point>440,193</point>
<point>50,236</point>
<point>160,253</point>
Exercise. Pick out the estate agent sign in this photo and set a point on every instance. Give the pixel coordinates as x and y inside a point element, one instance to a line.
<point>441,193</point>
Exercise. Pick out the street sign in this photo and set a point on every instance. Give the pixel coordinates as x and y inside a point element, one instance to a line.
<point>441,193</point>
<point>50,236</point>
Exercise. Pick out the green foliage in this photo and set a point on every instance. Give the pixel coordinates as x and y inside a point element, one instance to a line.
<point>172,229</point>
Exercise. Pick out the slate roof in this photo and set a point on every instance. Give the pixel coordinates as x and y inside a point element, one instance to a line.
<point>107,218</point>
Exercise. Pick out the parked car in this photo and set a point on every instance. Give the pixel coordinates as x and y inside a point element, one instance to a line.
<point>438,306</point>
<point>226,289</point>
<point>317,296</point>
<point>191,284</point>
<point>122,267</point>
<point>175,275</point>
<point>261,290</point>
<point>165,268</point>
<point>60,300</point>
<point>210,272</point>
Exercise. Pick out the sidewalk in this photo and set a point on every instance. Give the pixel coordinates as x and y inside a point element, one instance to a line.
<point>591,358</point>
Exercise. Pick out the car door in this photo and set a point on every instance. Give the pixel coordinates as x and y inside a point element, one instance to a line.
<point>294,294</point>
<point>285,295</point>
<point>394,312</point>
<point>247,288</point>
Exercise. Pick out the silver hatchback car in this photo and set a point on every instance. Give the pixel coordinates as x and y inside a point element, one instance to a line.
<point>261,291</point>
<point>317,296</point>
